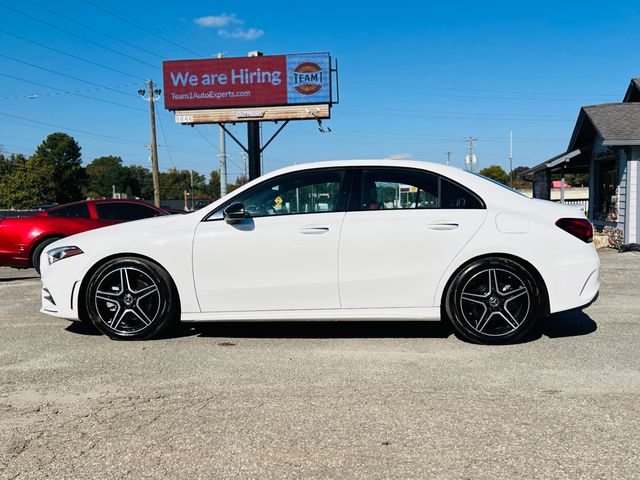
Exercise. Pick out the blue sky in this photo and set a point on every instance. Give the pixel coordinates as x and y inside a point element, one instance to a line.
<point>415,77</point>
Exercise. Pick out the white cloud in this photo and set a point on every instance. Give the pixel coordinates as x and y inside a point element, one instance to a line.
<point>218,21</point>
<point>223,21</point>
<point>241,33</point>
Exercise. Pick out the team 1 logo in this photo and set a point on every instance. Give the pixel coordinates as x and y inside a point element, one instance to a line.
<point>307,78</point>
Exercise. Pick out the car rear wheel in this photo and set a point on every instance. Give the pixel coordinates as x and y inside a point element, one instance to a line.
<point>39,249</point>
<point>493,301</point>
<point>131,299</point>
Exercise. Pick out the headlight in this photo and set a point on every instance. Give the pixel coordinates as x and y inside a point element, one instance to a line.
<point>61,253</point>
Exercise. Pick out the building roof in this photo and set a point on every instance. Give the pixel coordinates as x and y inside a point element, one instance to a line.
<point>633,92</point>
<point>552,163</point>
<point>616,123</point>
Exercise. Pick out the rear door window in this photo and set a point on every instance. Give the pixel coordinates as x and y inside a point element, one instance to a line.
<point>121,211</point>
<point>405,188</point>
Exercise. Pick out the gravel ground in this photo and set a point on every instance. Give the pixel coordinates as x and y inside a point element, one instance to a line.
<point>322,400</point>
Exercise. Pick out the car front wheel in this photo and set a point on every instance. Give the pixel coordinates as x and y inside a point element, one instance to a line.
<point>131,299</point>
<point>493,301</point>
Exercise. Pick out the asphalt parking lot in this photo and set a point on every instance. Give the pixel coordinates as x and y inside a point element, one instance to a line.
<point>322,400</point>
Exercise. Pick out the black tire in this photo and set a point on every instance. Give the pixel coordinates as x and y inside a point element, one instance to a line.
<point>493,301</point>
<point>131,299</point>
<point>37,252</point>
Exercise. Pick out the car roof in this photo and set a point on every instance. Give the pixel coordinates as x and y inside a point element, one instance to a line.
<point>105,200</point>
<point>453,173</point>
<point>435,167</point>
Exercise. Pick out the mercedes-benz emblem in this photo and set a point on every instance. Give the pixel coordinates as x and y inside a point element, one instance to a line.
<point>128,299</point>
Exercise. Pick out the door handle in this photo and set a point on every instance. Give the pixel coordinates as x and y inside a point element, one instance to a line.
<point>444,226</point>
<point>313,230</point>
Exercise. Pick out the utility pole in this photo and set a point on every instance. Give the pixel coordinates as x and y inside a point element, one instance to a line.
<point>470,159</point>
<point>223,157</point>
<point>245,163</point>
<point>154,144</point>
<point>191,172</point>
<point>448,154</point>
<point>511,158</point>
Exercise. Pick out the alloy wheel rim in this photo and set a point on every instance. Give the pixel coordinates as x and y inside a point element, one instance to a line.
<point>127,300</point>
<point>495,302</point>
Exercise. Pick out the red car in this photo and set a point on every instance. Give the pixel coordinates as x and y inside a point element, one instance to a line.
<point>23,239</point>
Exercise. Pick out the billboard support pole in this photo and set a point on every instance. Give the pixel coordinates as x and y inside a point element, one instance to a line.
<point>253,149</point>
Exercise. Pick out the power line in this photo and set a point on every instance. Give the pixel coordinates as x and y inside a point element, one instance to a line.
<point>475,97</point>
<point>91,62</point>
<point>164,137</point>
<point>465,117</point>
<point>155,67</point>
<point>217,148</point>
<point>65,75</point>
<point>84,132</point>
<point>18,118</point>
<point>72,93</point>
<point>140,27</point>
<point>93,29</point>
<point>60,91</point>
<point>501,91</point>
<point>492,115</point>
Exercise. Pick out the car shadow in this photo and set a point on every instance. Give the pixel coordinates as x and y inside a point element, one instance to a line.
<point>324,329</point>
<point>81,328</point>
<point>568,324</point>
<point>18,278</point>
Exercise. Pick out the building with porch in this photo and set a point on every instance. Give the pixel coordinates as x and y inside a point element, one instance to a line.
<point>605,144</point>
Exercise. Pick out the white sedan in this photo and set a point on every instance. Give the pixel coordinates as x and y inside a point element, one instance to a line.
<point>349,240</point>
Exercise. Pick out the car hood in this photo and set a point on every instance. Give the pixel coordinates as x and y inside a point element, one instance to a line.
<point>136,232</point>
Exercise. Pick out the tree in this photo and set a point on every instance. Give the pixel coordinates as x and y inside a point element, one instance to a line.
<point>30,183</point>
<point>518,181</point>
<point>578,179</point>
<point>174,182</point>
<point>9,163</point>
<point>497,173</point>
<point>103,174</point>
<point>62,153</point>
<point>139,181</point>
<point>241,180</point>
<point>214,185</point>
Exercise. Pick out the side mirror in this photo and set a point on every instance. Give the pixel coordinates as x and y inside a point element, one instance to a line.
<point>234,213</point>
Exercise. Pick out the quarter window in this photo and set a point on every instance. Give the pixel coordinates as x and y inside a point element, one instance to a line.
<point>304,192</point>
<point>400,188</point>
<point>75,210</point>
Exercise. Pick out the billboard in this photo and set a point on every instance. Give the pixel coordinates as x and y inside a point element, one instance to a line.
<point>273,80</point>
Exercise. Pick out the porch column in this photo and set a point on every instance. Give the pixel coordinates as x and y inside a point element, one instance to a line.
<point>542,185</point>
<point>632,200</point>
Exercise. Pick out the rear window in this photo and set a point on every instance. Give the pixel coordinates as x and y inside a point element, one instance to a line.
<point>77,210</point>
<point>124,211</point>
<point>498,183</point>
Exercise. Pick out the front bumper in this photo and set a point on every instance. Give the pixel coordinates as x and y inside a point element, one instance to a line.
<point>61,287</point>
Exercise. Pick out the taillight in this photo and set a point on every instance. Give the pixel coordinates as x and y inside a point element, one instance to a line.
<point>578,227</point>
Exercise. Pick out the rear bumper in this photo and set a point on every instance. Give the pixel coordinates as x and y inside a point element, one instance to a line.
<point>572,280</point>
